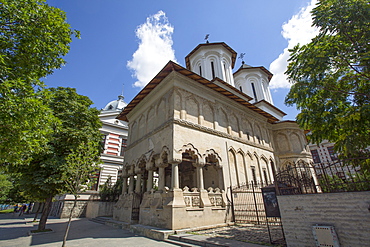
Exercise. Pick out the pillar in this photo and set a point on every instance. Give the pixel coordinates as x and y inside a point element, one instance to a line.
<point>175,176</point>
<point>204,199</point>
<point>149,185</point>
<point>162,178</point>
<point>124,182</point>
<point>131,185</point>
<point>138,183</point>
<point>200,177</point>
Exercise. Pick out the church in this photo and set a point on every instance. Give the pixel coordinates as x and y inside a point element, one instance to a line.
<point>201,130</point>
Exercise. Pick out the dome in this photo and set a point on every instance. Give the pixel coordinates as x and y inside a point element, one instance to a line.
<point>116,105</point>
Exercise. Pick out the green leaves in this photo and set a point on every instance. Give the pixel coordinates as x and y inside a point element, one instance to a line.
<point>71,151</point>
<point>331,76</point>
<point>34,37</point>
<point>24,121</point>
<point>81,163</point>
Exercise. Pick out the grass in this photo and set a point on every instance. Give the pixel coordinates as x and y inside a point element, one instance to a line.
<point>5,211</point>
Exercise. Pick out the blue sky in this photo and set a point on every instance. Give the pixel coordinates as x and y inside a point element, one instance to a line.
<point>112,31</point>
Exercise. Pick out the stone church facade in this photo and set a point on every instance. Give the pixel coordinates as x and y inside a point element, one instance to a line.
<point>200,130</point>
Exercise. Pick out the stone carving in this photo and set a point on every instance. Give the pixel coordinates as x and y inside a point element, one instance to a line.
<point>187,201</point>
<point>212,200</point>
<point>186,189</point>
<point>195,201</point>
<point>218,201</point>
<point>194,189</point>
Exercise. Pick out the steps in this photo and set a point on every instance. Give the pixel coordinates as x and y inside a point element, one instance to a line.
<point>193,240</point>
<point>178,237</point>
<point>179,243</point>
<point>100,219</point>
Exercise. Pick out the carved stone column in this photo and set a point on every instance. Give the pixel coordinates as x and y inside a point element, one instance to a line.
<point>162,176</point>
<point>204,199</point>
<point>131,184</point>
<point>177,193</point>
<point>175,176</point>
<point>200,176</point>
<point>124,182</point>
<point>149,185</point>
<point>138,183</point>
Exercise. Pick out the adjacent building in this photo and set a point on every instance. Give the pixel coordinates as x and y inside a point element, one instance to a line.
<point>114,141</point>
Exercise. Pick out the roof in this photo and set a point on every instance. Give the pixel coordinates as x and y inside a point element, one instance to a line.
<point>170,67</point>
<point>233,53</point>
<point>271,105</point>
<point>243,67</point>
<point>115,105</point>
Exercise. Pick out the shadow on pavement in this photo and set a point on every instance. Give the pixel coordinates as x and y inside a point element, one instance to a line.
<point>14,232</point>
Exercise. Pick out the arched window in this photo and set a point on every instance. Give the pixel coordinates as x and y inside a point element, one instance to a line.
<point>213,70</point>
<point>254,175</point>
<point>254,92</point>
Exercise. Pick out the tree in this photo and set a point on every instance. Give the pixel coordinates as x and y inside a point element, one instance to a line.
<point>81,163</point>
<point>34,37</point>
<point>76,123</point>
<point>5,187</point>
<point>331,76</point>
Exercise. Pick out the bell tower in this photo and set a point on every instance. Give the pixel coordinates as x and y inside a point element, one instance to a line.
<point>211,60</point>
<point>254,81</point>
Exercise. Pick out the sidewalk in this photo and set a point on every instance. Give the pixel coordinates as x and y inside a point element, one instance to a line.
<point>14,232</point>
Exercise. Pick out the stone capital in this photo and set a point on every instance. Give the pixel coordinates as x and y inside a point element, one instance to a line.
<point>198,164</point>
<point>139,171</point>
<point>175,161</point>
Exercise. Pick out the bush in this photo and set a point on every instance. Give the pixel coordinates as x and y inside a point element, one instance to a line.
<point>109,192</point>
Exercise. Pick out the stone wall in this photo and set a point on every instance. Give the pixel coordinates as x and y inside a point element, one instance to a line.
<point>97,208</point>
<point>348,212</point>
<point>78,212</point>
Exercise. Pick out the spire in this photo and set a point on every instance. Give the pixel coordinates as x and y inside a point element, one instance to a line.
<point>206,38</point>
<point>121,97</point>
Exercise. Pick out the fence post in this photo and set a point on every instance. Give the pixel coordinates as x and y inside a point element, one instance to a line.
<point>232,205</point>
<point>255,203</point>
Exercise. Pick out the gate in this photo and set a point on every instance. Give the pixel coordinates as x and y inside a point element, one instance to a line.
<point>248,207</point>
<point>136,201</point>
<point>248,204</point>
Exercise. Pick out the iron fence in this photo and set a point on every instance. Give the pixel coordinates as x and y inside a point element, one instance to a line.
<point>336,176</point>
<point>343,176</point>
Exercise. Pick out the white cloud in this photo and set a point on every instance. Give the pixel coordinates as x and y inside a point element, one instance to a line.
<point>297,30</point>
<point>155,48</point>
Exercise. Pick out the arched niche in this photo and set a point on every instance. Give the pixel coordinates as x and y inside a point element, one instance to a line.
<point>208,115</point>
<point>192,110</point>
<point>222,120</point>
<point>151,119</point>
<point>282,143</point>
<point>142,126</point>
<point>234,124</point>
<point>233,165</point>
<point>177,104</point>
<point>296,143</point>
<point>161,112</point>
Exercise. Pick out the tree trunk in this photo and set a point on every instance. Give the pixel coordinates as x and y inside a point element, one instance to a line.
<point>69,221</point>
<point>37,212</point>
<point>45,214</point>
